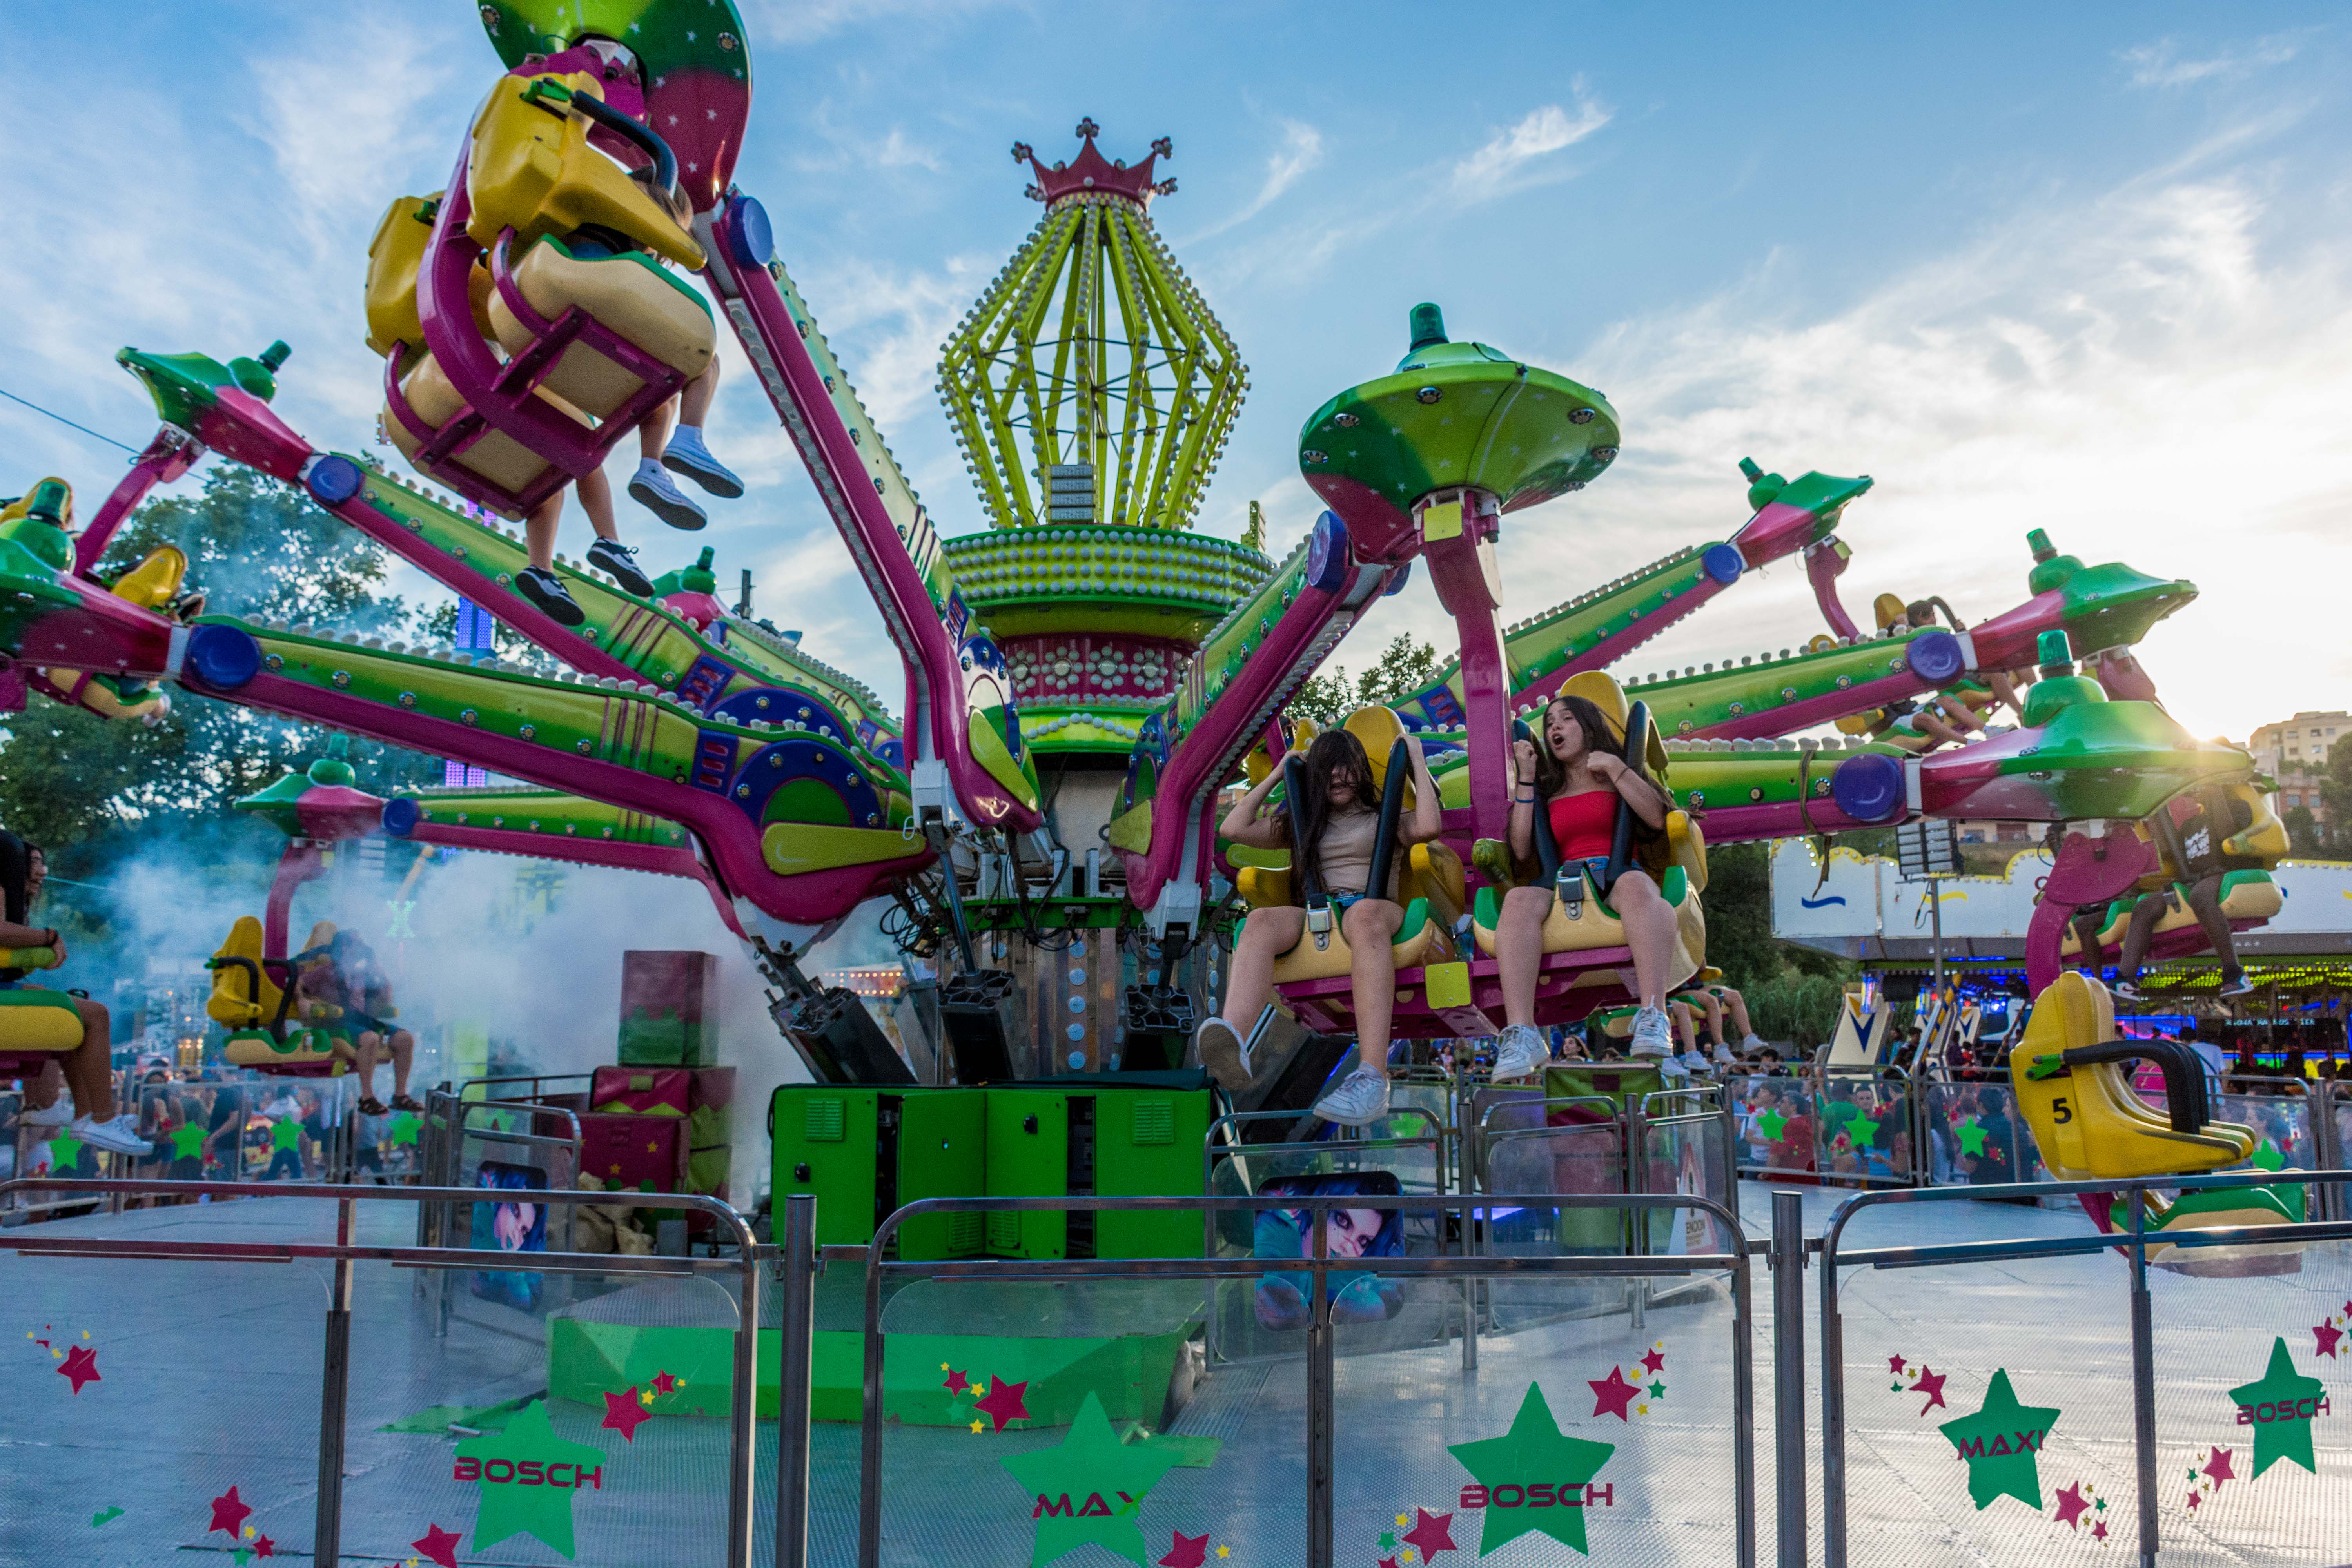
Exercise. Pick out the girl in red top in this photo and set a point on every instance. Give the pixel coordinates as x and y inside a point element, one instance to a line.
<point>1578,774</point>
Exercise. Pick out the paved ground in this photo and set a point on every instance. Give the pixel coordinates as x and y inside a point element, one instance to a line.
<point>208,1379</point>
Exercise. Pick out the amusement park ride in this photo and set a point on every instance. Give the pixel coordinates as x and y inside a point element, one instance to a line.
<point>1084,675</point>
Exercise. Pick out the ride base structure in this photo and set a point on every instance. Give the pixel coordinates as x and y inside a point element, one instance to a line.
<point>1084,678</point>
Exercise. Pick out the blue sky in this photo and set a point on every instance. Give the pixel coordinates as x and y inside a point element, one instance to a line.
<point>2076,267</point>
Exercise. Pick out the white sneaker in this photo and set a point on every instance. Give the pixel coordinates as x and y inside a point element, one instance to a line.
<point>119,1136</point>
<point>655,490</point>
<point>1653,1036</point>
<point>1362,1098</point>
<point>1753,1044</point>
<point>686,454</point>
<point>1519,1052</point>
<point>1224,1054</point>
<point>1723,1057</point>
<point>1671,1069</point>
<point>1695,1064</point>
<point>61,1114</point>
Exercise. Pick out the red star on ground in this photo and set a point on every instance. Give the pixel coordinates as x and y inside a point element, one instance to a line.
<point>2192,1502</point>
<point>438,1546</point>
<point>264,1547</point>
<point>2218,1467</point>
<point>624,1415</point>
<point>1612,1395</point>
<point>1185,1551</point>
<point>1895,1364</point>
<point>80,1366</point>
<point>665,1382</point>
<point>1004,1402</point>
<point>1431,1533</point>
<point>2099,1531</point>
<point>2070,1504</point>
<point>1930,1383</point>
<point>956,1383</point>
<point>2328,1335</point>
<point>1388,1562</point>
<point>229,1513</point>
<point>1655,1362</point>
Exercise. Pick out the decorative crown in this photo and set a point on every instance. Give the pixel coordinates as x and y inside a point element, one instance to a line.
<point>1090,171</point>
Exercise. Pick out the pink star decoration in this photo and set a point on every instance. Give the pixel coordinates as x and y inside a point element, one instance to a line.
<point>439,1545</point>
<point>2099,1531</point>
<point>1895,1364</point>
<point>956,1383</point>
<point>2218,1467</point>
<point>2070,1504</point>
<point>2329,1338</point>
<point>1186,1550</point>
<point>228,1512</point>
<point>1612,1395</point>
<point>1930,1383</point>
<point>1005,1402</point>
<point>665,1382</point>
<point>1431,1533</point>
<point>80,1366</point>
<point>1655,1362</point>
<point>624,1415</point>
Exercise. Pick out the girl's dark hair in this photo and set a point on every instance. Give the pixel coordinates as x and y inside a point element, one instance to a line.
<point>1551,773</point>
<point>1332,751</point>
<point>15,862</point>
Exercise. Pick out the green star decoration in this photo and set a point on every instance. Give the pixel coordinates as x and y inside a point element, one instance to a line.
<point>2269,1158</point>
<point>1657,1391</point>
<point>1863,1130</point>
<point>1771,1123</point>
<point>509,1507</point>
<point>1089,1488</point>
<point>405,1127</point>
<point>2280,1407</point>
<point>65,1152</point>
<point>187,1142</point>
<point>1533,1450</point>
<point>2000,1442</point>
<point>286,1134</point>
<point>1972,1137</point>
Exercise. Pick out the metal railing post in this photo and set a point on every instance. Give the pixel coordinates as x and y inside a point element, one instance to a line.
<point>1833,1418</point>
<point>1321,1396</point>
<point>744,1418</point>
<point>798,1318</point>
<point>2143,1335</point>
<point>1788,1256</point>
<point>1743,1406</point>
<point>334,1400</point>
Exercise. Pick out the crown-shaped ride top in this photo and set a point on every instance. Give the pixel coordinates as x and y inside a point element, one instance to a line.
<point>1090,171</point>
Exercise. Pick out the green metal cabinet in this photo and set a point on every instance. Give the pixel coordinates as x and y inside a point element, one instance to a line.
<point>867,1151</point>
<point>1148,1144</point>
<point>1100,1143</point>
<point>1029,1157</point>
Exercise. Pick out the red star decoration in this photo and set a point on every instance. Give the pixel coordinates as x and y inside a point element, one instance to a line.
<point>1431,1533</point>
<point>1930,1383</point>
<point>1005,1402</point>
<point>438,1546</point>
<point>2070,1504</point>
<point>2099,1531</point>
<point>1612,1395</point>
<point>80,1366</point>
<point>665,1382</point>
<point>1388,1562</point>
<point>264,1547</point>
<point>2192,1502</point>
<point>1895,1364</point>
<point>2329,1338</point>
<point>1655,1362</point>
<point>956,1383</point>
<point>624,1415</point>
<point>228,1512</point>
<point>2218,1467</point>
<point>1185,1551</point>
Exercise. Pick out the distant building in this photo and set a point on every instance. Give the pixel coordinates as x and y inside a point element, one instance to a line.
<point>2295,752</point>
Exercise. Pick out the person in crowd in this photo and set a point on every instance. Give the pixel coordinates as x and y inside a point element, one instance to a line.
<point>2201,823</point>
<point>87,1070</point>
<point>1577,772</point>
<point>346,975</point>
<point>285,1157</point>
<point>1998,1163</point>
<point>1338,827</point>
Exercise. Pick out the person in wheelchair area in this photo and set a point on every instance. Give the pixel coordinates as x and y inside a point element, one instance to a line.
<point>1576,771</point>
<point>89,1113</point>
<point>1338,826</point>
<point>661,450</point>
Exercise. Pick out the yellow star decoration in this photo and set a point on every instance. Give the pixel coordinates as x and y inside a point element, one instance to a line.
<point>85,1333</point>
<point>250,1533</point>
<point>943,1366</point>
<point>976,1428</point>
<point>1225,1551</point>
<point>1402,1521</point>
<point>647,1398</point>
<point>1408,1556</point>
<point>1641,1410</point>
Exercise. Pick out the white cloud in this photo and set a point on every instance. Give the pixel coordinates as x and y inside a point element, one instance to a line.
<point>2162,64</point>
<point>1300,153</point>
<point>1520,156</point>
<point>807,21</point>
<point>2137,373</point>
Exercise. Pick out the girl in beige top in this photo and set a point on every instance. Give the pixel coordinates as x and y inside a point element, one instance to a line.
<point>1339,826</point>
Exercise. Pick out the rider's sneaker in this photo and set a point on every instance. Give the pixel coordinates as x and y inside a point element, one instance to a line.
<point>1723,1057</point>
<point>119,1135</point>
<point>612,555</point>
<point>1753,1044</point>
<point>1654,1038</point>
<point>659,494</point>
<point>546,590</point>
<point>1695,1065</point>
<point>1519,1052</point>
<point>1362,1098</point>
<point>2131,992</point>
<point>2236,984</point>
<point>60,1114</point>
<point>1224,1053</point>
<point>686,454</point>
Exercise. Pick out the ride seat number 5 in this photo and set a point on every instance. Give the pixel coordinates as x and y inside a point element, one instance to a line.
<point>2060,1112</point>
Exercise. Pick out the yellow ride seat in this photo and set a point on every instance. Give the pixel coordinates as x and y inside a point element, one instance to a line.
<point>395,256</point>
<point>533,169</point>
<point>2087,1122</point>
<point>628,294</point>
<point>154,582</point>
<point>243,996</point>
<point>35,1021</point>
<point>2248,895</point>
<point>495,455</point>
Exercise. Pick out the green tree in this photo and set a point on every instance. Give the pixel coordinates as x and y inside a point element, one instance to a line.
<point>84,785</point>
<point>1405,666</point>
<point>2303,832</point>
